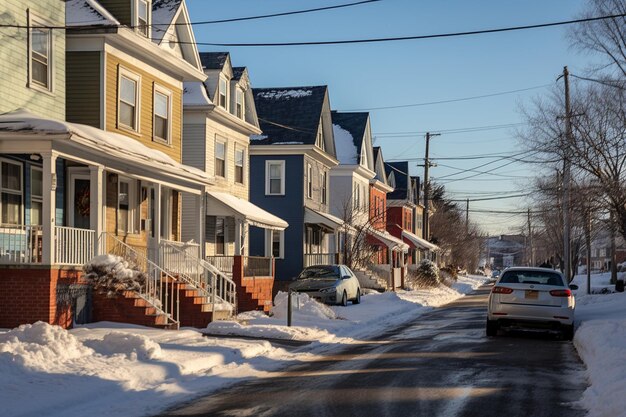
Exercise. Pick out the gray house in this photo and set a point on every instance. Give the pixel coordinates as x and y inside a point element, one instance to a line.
<point>289,177</point>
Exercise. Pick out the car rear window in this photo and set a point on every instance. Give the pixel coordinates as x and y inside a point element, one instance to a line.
<point>531,277</point>
<point>320,272</point>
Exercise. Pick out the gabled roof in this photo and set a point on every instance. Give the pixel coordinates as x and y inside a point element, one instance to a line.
<point>289,115</point>
<point>401,174</point>
<point>379,165</point>
<point>349,129</point>
<point>238,72</point>
<point>214,60</point>
<point>88,13</point>
<point>163,13</point>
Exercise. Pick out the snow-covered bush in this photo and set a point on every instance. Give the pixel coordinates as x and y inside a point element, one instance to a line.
<point>132,346</point>
<point>426,275</point>
<point>111,274</point>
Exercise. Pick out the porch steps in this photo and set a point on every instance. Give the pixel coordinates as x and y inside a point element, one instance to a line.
<point>129,307</point>
<point>255,294</point>
<point>196,310</point>
<point>368,279</point>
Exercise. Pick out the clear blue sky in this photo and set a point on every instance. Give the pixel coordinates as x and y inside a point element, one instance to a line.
<point>395,73</point>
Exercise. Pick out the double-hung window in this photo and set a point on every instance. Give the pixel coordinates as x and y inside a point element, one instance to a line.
<point>162,114</point>
<point>274,243</point>
<point>239,103</point>
<point>127,202</point>
<point>220,236</point>
<point>309,181</point>
<point>128,95</point>
<point>239,158</point>
<point>40,56</point>
<point>323,191</point>
<point>142,17</point>
<point>223,93</point>
<point>36,195</point>
<point>220,159</point>
<point>11,189</point>
<point>274,177</point>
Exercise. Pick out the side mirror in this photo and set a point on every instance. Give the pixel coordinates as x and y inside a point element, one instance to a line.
<point>573,287</point>
<point>346,277</point>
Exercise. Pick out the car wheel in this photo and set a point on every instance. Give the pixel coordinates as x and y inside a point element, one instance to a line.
<point>344,299</point>
<point>357,299</point>
<point>568,332</point>
<point>492,328</point>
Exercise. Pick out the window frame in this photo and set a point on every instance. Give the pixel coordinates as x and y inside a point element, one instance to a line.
<point>269,243</point>
<point>219,141</point>
<point>268,164</point>
<point>36,22</point>
<point>241,167</point>
<point>222,92</point>
<point>309,180</point>
<point>323,187</point>
<point>139,28</point>
<point>240,106</point>
<point>36,198</point>
<point>19,192</point>
<point>223,234</point>
<point>158,89</point>
<point>124,73</point>
<point>131,221</point>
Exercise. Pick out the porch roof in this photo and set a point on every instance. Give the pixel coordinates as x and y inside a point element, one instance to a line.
<point>22,122</point>
<point>418,241</point>
<point>252,214</point>
<point>325,219</point>
<point>388,239</point>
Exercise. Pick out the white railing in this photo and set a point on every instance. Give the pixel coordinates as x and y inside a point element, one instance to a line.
<point>219,289</point>
<point>21,244</point>
<point>160,289</point>
<point>257,266</point>
<point>74,246</point>
<point>224,263</point>
<point>319,259</point>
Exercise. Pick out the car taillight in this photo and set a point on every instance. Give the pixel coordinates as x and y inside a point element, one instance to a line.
<point>501,290</point>
<point>561,293</point>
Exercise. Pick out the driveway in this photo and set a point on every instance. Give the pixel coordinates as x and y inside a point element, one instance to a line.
<point>440,365</point>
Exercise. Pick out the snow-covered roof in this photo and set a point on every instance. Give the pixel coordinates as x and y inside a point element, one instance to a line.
<point>344,145</point>
<point>163,13</point>
<point>194,94</point>
<point>418,241</point>
<point>252,213</point>
<point>388,239</point>
<point>22,121</point>
<point>317,217</point>
<point>88,13</point>
<point>285,94</point>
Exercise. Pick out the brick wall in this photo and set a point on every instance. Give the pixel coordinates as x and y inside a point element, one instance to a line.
<point>253,293</point>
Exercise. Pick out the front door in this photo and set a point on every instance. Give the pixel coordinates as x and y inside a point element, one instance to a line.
<point>79,202</point>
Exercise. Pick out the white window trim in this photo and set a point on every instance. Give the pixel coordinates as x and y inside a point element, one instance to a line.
<point>323,187</point>
<point>135,17</point>
<point>239,91</point>
<point>132,228</point>
<point>162,90</point>
<point>34,20</point>
<point>225,143</point>
<point>243,166</point>
<point>269,241</point>
<point>219,92</point>
<point>309,181</point>
<point>13,192</point>
<point>282,176</point>
<point>123,72</point>
<point>35,198</point>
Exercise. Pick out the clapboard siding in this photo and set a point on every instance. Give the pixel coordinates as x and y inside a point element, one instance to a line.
<point>194,145</point>
<point>83,88</point>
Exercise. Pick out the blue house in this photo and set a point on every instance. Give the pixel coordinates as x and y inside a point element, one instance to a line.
<point>289,177</point>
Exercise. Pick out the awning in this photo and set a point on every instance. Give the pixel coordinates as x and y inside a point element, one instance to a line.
<point>418,241</point>
<point>388,239</point>
<point>323,219</point>
<point>252,214</point>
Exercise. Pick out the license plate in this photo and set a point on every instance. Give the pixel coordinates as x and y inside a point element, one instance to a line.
<point>531,294</point>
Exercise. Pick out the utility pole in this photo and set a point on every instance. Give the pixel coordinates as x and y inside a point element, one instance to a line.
<point>467,216</point>
<point>531,255</point>
<point>426,226</point>
<point>567,254</point>
<point>613,250</point>
<point>588,243</point>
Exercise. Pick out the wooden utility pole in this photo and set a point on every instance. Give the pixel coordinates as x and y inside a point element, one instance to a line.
<point>588,243</point>
<point>426,226</point>
<point>613,250</point>
<point>467,216</point>
<point>567,253</point>
<point>531,254</point>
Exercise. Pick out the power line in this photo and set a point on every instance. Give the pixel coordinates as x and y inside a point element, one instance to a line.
<point>603,82</point>
<point>428,103</point>
<point>418,37</point>
<point>448,131</point>
<point>491,198</point>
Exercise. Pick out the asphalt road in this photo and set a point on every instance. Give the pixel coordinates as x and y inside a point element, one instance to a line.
<point>440,365</point>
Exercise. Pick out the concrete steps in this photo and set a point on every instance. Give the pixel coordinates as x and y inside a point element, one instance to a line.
<point>368,279</point>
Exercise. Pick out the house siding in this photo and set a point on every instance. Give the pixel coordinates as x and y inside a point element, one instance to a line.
<point>14,59</point>
<point>83,98</point>
<point>317,168</point>
<point>149,77</point>
<point>120,9</point>
<point>288,207</point>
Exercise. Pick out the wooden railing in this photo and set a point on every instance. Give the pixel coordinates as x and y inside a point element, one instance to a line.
<point>20,244</point>
<point>222,262</point>
<point>74,246</point>
<point>257,266</point>
<point>319,259</point>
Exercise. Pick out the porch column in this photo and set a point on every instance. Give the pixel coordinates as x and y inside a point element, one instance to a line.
<point>200,208</point>
<point>49,207</point>
<point>96,204</point>
<point>157,220</point>
<point>238,228</point>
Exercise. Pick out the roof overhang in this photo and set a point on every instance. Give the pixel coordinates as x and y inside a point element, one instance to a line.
<point>379,185</point>
<point>249,212</point>
<point>348,170</point>
<point>327,221</point>
<point>418,241</point>
<point>388,240</point>
<point>293,149</point>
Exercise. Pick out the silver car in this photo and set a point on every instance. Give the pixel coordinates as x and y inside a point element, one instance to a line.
<point>331,284</point>
<point>535,298</point>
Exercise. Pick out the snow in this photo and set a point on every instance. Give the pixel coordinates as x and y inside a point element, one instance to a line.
<point>112,369</point>
<point>344,145</point>
<point>255,215</point>
<point>194,94</point>
<point>286,94</point>
<point>87,12</point>
<point>258,137</point>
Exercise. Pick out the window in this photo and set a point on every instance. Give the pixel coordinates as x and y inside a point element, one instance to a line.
<point>323,187</point>
<point>239,155</point>
<point>36,195</point>
<point>40,56</point>
<point>161,126</point>
<point>274,177</point>
<point>128,108</point>
<point>142,17</point>
<point>274,243</point>
<point>220,159</point>
<point>239,103</point>
<point>357,197</point>
<point>309,181</point>
<point>223,93</point>
<point>127,206</point>
<point>11,193</point>
<point>220,236</point>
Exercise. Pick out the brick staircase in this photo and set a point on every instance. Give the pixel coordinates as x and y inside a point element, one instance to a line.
<point>254,293</point>
<point>197,310</point>
<point>129,307</point>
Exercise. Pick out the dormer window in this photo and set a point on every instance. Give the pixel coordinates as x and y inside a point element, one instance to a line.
<point>239,103</point>
<point>143,25</point>
<point>223,93</point>
<point>320,137</point>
